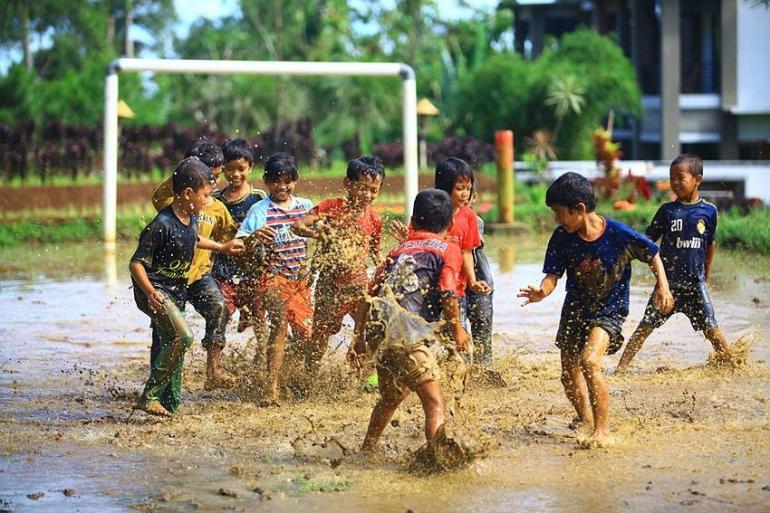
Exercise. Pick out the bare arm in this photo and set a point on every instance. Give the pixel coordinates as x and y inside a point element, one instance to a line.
<point>710,251</point>
<point>662,300</point>
<point>231,247</point>
<point>154,296</point>
<point>452,313</point>
<point>303,227</point>
<point>533,294</point>
<point>479,287</point>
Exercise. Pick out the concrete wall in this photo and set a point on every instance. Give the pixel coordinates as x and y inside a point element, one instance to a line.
<point>753,59</point>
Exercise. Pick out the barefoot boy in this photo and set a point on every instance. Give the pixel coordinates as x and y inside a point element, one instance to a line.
<point>423,265</point>
<point>596,252</point>
<point>215,223</point>
<point>349,233</point>
<point>687,229</point>
<point>159,274</point>
<point>282,290</point>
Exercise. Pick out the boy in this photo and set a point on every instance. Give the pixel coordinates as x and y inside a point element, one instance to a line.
<point>687,229</point>
<point>422,266</point>
<point>480,309</point>
<point>238,196</point>
<point>215,223</point>
<point>159,274</point>
<point>596,252</point>
<point>282,290</point>
<point>349,232</point>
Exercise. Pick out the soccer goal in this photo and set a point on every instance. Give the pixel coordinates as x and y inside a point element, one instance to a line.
<point>371,69</point>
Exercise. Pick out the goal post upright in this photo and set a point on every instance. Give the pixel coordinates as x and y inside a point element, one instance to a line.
<point>223,67</point>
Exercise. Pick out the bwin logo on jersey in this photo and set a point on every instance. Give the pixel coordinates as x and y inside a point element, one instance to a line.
<point>693,243</point>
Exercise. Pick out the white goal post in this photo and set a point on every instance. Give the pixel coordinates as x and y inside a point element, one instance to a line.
<point>211,67</point>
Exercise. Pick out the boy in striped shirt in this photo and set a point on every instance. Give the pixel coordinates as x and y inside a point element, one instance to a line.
<point>283,290</point>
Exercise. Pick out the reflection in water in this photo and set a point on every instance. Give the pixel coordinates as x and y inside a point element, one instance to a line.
<point>507,257</point>
<point>110,269</point>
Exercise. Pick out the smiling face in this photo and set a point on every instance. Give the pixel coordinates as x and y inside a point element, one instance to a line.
<point>684,183</point>
<point>461,192</point>
<point>363,192</point>
<point>281,189</point>
<point>237,171</point>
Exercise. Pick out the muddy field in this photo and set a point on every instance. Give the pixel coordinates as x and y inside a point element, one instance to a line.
<point>74,353</point>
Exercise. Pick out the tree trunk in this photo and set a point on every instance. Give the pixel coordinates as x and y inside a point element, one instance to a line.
<point>25,25</point>
<point>129,22</point>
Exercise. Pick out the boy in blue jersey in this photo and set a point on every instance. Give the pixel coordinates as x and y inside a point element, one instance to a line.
<point>596,252</point>
<point>687,229</point>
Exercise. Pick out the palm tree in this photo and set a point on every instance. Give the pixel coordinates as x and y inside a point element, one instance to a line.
<point>566,95</point>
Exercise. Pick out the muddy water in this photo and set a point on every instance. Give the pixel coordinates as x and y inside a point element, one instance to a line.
<point>74,351</point>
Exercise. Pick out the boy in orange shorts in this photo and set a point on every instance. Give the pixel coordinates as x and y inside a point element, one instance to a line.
<point>283,291</point>
<point>349,232</point>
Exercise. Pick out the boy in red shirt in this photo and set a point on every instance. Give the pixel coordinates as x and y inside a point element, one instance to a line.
<point>396,332</point>
<point>348,233</point>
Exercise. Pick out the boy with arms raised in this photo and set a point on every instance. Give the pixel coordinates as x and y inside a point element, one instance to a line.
<point>159,274</point>
<point>398,335</point>
<point>349,233</point>
<point>237,284</point>
<point>282,290</point>
<point>687,229</point>
<point>214,222</point>
<point>596,252</point>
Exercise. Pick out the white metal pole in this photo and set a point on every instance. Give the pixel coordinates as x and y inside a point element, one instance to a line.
<point>411,165</point>
<point>110,184</point>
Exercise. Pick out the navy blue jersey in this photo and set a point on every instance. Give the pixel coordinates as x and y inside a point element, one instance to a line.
<point>165,249</point>
<point>223,267</point>
<point>686,231</point>
<point>598,272</point>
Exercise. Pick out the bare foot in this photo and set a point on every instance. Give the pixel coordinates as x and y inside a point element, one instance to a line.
<point>597,440</point>
<point>619,371</point>
<point>219,380</point>
<point>577,423</point>
<point>722,360</point>
<point>154,408</point>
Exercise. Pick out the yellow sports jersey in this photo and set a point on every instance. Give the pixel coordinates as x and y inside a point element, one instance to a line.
<point>215,223</point>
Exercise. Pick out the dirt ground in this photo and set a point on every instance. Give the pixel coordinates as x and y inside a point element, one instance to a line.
<point>73,356</point>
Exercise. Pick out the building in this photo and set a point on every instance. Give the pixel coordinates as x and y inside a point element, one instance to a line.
<point>703,68</point>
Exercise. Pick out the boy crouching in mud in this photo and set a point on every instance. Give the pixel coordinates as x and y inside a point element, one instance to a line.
<point>397,334</point>
<point>159,274</point>
<point>596,252</point>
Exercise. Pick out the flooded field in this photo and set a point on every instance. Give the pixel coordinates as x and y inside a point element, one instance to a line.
<point>74,355</point>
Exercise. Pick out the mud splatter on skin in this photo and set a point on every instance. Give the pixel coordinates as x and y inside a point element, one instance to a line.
<point>685,429</point>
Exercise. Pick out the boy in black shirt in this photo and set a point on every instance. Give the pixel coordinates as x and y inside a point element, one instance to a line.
<point>159,274</point>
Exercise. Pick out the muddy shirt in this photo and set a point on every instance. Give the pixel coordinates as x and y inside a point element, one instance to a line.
<point>344,255</point>
<point>287,254</point>
<point>166,247</point>
<point>421,270</point>
<point>686,231</point>
<point>225,268</point>
<point>599,271</point>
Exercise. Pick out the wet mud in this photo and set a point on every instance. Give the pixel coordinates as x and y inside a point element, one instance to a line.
<point>74,353</point>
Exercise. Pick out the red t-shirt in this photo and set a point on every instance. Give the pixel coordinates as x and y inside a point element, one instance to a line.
<point>464,232</point>
<point>365,232</point>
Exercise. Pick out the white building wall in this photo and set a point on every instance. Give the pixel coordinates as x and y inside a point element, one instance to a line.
<point>753,59</point>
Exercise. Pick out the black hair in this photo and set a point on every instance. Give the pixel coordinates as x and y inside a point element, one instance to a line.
<point>208,151</point>
<point>432,210</point>
<point>192,173</point>
<point>693,163</point>
<point>279,165</point>
<point>235,149</point>
<point>569,190</point>
<point>365,166</point>
<point>449,171</point>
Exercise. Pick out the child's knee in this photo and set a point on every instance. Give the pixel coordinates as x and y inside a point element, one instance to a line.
<point>591,362</point>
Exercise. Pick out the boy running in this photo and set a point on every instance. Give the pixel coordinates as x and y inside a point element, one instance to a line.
<point>159,274</point>
<point>397,335</point>
<point>215,223</point>
<point>596,252</point>
<point>349,233</point>
<point>687,229</point>
<point>282,290</point>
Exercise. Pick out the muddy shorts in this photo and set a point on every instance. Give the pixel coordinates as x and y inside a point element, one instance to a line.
<point>284,298</point>
<point>237,295</point>
<point>398,368</point>
<point>576,324</point>
<point>693,300</point>
<point>333,301</point>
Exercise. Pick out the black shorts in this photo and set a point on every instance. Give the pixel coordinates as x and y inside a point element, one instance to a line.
<point>576,322</point>
<point>693,300</point>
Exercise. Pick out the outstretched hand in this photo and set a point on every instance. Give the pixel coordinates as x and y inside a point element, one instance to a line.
<point>531,294</point>
<point>399,230</point>
<point>265,235</point>
<point>233,247</point>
